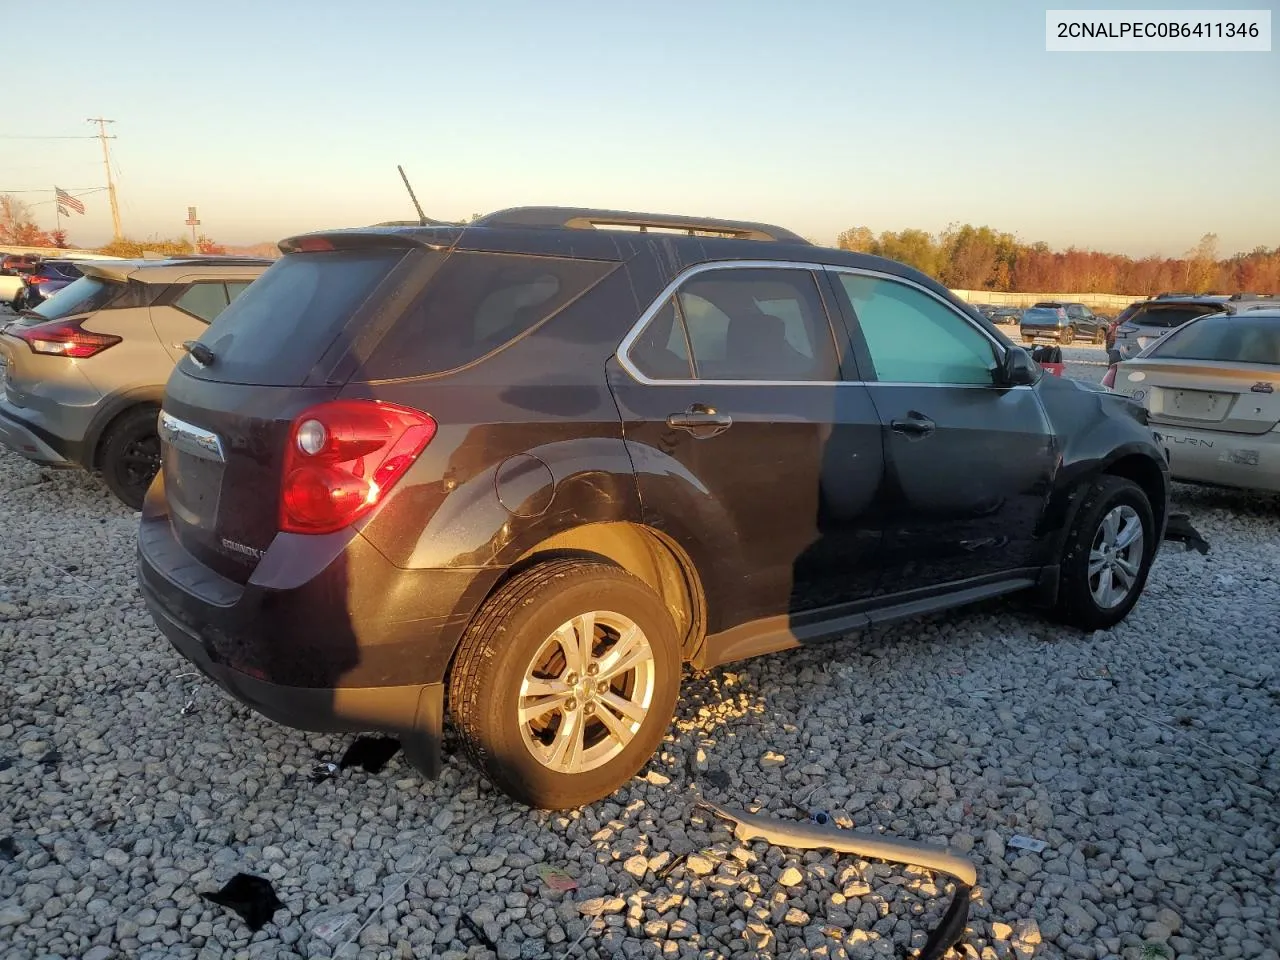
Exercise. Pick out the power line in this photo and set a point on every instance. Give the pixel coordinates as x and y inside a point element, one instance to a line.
<point>10,136</point>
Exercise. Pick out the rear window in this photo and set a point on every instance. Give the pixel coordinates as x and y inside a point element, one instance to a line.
<point>1169,315</point>
<point>475,304</point>
<point>277,330</point>
<point>83,296</point>
<point>1225,338</point>
<point>1040,315</point>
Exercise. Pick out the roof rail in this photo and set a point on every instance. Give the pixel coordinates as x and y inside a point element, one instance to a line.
<point>231,259</point>
<point>582,218</point>
<point>1253,296</point>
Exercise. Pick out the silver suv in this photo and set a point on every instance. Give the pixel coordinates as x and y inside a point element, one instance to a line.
<point>82,375</point>
<point>1143,323</point>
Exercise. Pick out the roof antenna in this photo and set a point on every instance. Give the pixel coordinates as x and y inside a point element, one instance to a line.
<point>422,217</point>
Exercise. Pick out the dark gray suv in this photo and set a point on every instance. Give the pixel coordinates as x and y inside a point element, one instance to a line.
<point>519,473</point>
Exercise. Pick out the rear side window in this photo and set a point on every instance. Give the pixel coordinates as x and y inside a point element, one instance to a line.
<point>276,331</point>
<point>82,296</point>
<point>203,300</point>
<point>1168,315</point>
<point>1226,339</point>
<point>475,304</point>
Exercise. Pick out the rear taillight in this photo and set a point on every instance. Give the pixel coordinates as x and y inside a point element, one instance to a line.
<point>343,457</point>
<point>1109,378</point>
<point>61,338</point>
<point>38,279</point>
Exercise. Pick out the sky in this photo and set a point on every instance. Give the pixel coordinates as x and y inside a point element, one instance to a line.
<point>284,117</point>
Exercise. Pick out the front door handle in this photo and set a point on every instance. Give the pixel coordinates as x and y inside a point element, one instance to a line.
<point>701,421</point>
<point>914,426</point>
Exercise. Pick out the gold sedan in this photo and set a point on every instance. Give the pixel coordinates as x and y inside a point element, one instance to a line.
<point>1212,390</point>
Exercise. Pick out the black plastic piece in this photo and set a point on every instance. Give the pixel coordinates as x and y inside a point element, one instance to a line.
<point>252,897</point>
<point>950,928</point>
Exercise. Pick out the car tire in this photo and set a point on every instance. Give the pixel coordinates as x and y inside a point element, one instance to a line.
<point>1110,505</point>
<point>129,455</point>
<point>529,632</point>
<point>1099,337</point>
<point>1068,336</point>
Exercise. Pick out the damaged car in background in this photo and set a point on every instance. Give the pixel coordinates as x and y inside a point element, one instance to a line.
<point>1212,390</point>
<point>520,472</point>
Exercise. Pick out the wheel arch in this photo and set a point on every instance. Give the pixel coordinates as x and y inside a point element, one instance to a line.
<point>1147,474</point>
<point>118,406</point>
<point>646,554</point>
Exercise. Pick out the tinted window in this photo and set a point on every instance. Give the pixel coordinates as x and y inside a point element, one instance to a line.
<point>64,271</point>
<point>660,352</point>
<point>914,338</point>
<point>204,301</point>
<point>1230,339</point>
<point>277,330</point>
<point>1040,315</point>
<point>476,303</point>
<point>757,325</point>
<point>83,296</point>
<point>236,287</point>
<point>1170,315</point>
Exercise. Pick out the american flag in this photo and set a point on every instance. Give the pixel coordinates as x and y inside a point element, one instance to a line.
<point>67,201</point>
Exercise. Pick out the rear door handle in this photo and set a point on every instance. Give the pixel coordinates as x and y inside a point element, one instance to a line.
<point>915,425</point>
<point>701,421</point>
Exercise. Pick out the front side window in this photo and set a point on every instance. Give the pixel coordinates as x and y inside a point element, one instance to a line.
<point>914,338</point>
<point>755,324</point>
<point>203,300</point>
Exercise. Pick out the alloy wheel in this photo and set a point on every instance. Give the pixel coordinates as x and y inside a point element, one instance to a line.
<point>587,692</point>
<point>1116,556</point>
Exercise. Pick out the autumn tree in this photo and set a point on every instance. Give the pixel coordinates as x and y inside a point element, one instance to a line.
<point>966,257</point>
<point>133,249</point>
<point>857,239</point>
<point>206,245</point>
<point>16,225</point>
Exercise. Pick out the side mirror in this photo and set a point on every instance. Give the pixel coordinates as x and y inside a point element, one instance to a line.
<point>1018,369</point>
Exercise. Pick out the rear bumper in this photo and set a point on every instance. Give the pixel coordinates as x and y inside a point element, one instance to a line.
<point>326,634</point>
<point>1243,461</point>
<point>414,712</point>
<point>1051,333</point>
<point>31,442</point>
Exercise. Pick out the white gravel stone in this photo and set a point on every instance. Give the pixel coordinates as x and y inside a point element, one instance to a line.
<point>1146,757</point>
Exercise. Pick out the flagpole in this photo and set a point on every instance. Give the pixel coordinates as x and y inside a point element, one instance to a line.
<point>57,209</point>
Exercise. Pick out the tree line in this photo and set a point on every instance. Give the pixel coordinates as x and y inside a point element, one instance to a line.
<point>964,257</point>
<point>18,228</point>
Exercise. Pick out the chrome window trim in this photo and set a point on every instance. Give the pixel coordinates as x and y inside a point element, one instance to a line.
<point>191,439</point>
<point>623,353</point>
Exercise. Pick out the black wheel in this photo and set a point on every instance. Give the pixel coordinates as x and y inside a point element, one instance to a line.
<point>565,683</point>
<point>1099,337</point>
<point>1107,556</point>
<point>1068,336</point>
<point>129,455</point>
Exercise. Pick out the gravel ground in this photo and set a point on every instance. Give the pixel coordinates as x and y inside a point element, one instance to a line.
<point>1145,757</point>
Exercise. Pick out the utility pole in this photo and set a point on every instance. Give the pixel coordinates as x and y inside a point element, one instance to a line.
<point>111,184</point>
